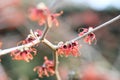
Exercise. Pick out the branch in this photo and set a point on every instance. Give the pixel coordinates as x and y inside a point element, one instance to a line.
<point>56,63</point>
<point>49,44</point>
<point>95,29</point>
<point>6,51</point>
<point>45,41</point>
<point>45,31</point>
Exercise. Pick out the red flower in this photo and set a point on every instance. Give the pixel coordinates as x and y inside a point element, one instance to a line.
<point>39,14</point>
<point>42,14</point>
<point>25,54</point>
<point>46,69</point>
<point>90,37</point>
<point>53,19</point>
<point>69,49</point>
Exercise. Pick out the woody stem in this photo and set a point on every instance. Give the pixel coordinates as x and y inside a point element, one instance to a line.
<point>56,63</point>
<point>45,31</point>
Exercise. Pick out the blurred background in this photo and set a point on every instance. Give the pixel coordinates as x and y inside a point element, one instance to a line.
<point>97,62</point>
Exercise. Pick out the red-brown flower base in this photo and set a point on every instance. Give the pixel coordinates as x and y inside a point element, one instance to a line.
<point>69,49</point>
<point>90,38</point>
<point>31,37</point>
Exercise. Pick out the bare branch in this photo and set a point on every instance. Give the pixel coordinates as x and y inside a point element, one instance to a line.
<point>49,44</point>
<point>56,63</point>
<point>5,51</point>
<point>45,41</point>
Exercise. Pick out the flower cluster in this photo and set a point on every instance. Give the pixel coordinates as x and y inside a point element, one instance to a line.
<point>90,37</point>
<point>42,14</point>
<point>46,69</point>
<point>23,54</point>
<point>26,53</point>
<point>68,49</point>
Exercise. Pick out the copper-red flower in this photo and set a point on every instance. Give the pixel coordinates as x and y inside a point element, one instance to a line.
<point>52,19</point>
<point>69,49</point>
<point>39,13</point>
<point>42,14</point>
<point>46,69</point>
<point>24,54</point>
<point>90,37</point>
